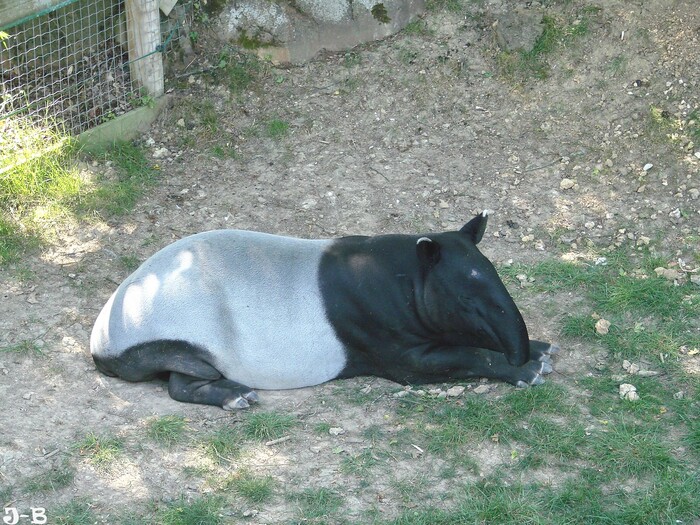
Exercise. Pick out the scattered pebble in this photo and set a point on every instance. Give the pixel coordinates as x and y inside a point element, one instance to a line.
<point>482,389</point>
<point>567,184</point>
<point>648,166</point>
<point>602,326</point>
<point>667,273</point>
<point>628,392</point>
<point>455,391</point>
<point>160,153</point>
<point>679,395</point>
<point>631,368</point>
<point>336,431</point>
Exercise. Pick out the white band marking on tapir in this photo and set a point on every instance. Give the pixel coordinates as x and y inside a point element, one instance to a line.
<point>423,239</point>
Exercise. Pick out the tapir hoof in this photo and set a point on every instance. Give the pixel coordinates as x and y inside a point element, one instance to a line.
<point>242,401</point>
<point>236,404</point>
<point>538,369</point>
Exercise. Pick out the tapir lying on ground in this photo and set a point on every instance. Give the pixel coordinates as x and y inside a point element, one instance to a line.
<point>222,312</point>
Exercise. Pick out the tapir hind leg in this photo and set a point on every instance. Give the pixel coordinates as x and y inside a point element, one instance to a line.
<point>191,376</point>
<point>223,393</point>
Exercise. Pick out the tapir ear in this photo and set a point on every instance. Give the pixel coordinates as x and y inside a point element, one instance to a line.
<point>428,252</point>
<point>476,227</point>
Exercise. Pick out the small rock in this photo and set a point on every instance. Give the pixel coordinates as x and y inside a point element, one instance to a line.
<point>695,279</point>
<point>667,273</point>
<point>27,396</point>
<point>679,395</point>
<point>694,193</point>
<point>631,368</point>
<point>336,431</point>
<point>402,393</point>
<point>160,153</point>
<point>443,204</point>
<point>697,154</point>
<point>482,389</point>
<point>602,326</point>
<point>647,373</point>
<point>648,166</point>
<point>567,184</point>
<point>643,241</point>
<point>455,391</point>
<point>181,123</point>
<point>675,214</point>
<point>628,392</point>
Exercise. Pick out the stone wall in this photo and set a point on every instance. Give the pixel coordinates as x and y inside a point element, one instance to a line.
<point>293,31</point>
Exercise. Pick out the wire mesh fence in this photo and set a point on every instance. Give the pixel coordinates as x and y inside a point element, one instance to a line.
<point>68,67</point>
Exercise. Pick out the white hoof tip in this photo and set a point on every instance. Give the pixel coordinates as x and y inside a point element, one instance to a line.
<point>236,404</point>
<point>546,368</point>
<point>521,384</point>
<point>251,397</point>
<point>553,349</point>
<point>538,380</point>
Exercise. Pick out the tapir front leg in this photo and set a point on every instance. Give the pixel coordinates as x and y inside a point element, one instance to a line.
<point>444,363</point>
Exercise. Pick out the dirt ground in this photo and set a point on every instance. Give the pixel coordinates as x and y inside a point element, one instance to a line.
<point>410,135</point>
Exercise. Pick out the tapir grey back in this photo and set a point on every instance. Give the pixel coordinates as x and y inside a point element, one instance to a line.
<point>224,312</point>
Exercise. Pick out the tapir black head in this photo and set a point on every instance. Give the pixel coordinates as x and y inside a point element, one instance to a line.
<point>465,299</point>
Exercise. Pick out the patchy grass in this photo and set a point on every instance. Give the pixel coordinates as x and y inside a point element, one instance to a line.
<point>43,184</point>
<point>76,512</point>
<point>24,349</point>
<point>118,193</point>
<point>266,426</point>
<point>54,479</point>
<point>167,430</point>
<point>101,451</point>
<point>520,66</point>
<point>224,444</point>
<point>255,489</point>
<point>318,503</point>
<point>276,128</point>
<point>201,511</point>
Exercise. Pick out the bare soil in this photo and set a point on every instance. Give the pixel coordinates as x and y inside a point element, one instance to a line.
<point>410,135</point>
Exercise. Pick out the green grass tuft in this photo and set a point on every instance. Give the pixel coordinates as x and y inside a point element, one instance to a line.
<point>57,478</point>
<point>24,349</point>
<point>224,444</point>
<point>76,512</point>
<point>318,503</point>
<point>276,128</point>
<point>202,511</point>
<point>256,489</point>
<point>101,451</point>
<point>167,430</point>
<point>266,426</point>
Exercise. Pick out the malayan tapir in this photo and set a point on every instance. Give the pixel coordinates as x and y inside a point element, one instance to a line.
<point>224,312</point>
